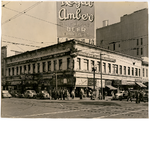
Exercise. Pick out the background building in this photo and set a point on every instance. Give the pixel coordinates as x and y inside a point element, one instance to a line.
<point>129,36</point>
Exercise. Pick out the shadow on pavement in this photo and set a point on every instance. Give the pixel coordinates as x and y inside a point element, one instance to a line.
<point>100,103</point>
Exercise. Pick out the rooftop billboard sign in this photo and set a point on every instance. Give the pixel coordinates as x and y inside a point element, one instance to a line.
<point>75,19</point>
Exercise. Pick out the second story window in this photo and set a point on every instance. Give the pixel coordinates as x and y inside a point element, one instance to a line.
<point>20,69</point>
<point>17,70</point>
<point>137,42</point>
<point>68,63</point>
<point>120,69</point>
<point>55,64</point>
<point>98,66</point>
<point>86,64</point>
<point>49,65</point>
<point>13,71</point>
<point>141,41</point>
<point>143,72</point>
<point>78,63</point>
<point>25,68</point>
<point>109,68</point>
<point>137,51</point>
<point>104,67</point>
<point>146,72</point>
<point>44,66</point>
<point>33,68</point>
<point>128,70</point>
<point>136,72</point>
<point>132,71</point>
<point>141,51</point>
<point>124,70</point>
<point>116,69</point>
<point>9,71</point>
<point>60,64</point>
<point>139,72</point>
<point>38,67</point>
<point>92,64</point>
<point>29,68</point>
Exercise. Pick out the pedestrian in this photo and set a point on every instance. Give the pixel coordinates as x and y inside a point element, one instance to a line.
<point>81,93</point>
<point>61,94</point>
<point>129,96</point>
<point>50,94</point>
<point>67,94</point>
<point>73,94</point>
<point>112,93</point>
<point>137,97</point>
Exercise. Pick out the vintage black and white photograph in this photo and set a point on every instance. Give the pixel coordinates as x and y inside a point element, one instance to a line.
<point>74,59</point>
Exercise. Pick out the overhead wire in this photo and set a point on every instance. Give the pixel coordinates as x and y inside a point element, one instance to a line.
<point>21,13</point>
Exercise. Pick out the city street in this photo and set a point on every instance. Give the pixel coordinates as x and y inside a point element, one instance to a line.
<point>86,108</point>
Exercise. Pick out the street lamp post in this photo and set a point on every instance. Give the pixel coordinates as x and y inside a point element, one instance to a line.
<point>101,74</point>
<point>94,69</point>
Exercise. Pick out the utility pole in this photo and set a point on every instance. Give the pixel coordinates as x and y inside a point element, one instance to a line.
<point>101,74</point>
<point>56,80</point>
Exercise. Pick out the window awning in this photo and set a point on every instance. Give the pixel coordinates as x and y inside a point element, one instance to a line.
<point>111,87</point>
<point>141,84</point>
<point>129,83</point>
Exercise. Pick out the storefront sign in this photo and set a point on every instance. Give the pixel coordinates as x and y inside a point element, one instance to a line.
<point>75,19</point>
<point>81,81</point>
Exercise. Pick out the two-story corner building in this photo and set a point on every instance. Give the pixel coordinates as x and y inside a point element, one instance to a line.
<point>69,65</point>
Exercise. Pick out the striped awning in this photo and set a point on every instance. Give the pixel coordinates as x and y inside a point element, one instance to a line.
<point>141,84</point>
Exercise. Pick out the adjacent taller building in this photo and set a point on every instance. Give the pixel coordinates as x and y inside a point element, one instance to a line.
<point>129,36</point>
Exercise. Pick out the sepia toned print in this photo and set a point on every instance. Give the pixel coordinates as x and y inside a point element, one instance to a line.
<point>74,59</point>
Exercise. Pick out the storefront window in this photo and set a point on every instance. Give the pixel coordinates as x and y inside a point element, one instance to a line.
<point>141,51</point>
<point>25,68</point>
<point>60,64</point>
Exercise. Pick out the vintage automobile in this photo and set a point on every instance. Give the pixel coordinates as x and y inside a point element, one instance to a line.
<point>6,94</point>
<point>145,96</point>
<point>43,95</point>
<point>119,95</point>
<point>30,94</point>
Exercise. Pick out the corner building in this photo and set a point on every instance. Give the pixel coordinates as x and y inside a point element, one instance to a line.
<point>69,65</point>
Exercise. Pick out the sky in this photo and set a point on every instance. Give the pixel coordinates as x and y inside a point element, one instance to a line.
<point>37,26</point>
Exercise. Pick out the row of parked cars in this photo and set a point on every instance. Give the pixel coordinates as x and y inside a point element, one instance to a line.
<point>27,94</point>
<point>124,94</point>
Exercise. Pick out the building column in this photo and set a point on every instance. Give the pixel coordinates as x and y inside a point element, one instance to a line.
<point>46,66</point>
<point>36,67</point>
<point>7,72</point>
<point>23,69</point>
<point>15,71</point>
<point>41,67</point>
<point>31,68</point>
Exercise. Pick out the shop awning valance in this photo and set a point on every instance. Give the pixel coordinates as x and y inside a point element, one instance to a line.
<point>141,84</point>
<point>111,87</point>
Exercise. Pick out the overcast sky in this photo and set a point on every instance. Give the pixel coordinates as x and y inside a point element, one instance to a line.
<point>41,31</point>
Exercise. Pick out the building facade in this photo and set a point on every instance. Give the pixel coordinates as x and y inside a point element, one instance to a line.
<point>129,36</point>
<point>70,65</point>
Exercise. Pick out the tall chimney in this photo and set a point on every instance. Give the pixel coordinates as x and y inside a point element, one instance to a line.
<point>105,23</point>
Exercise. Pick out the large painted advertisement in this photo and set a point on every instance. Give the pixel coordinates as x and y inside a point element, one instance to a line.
<point>75,19</point>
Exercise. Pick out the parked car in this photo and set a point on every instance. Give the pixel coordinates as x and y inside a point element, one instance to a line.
<point>119,95</point>
<point>30,94</point>
<point>6,94</point>
<point>145,96</point>
<point>43,95</point>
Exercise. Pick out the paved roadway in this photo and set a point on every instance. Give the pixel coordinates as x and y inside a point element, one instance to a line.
<point>86,108</point>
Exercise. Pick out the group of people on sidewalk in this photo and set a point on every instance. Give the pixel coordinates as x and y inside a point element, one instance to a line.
<point>61,94</point>
<point>138,95</point>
